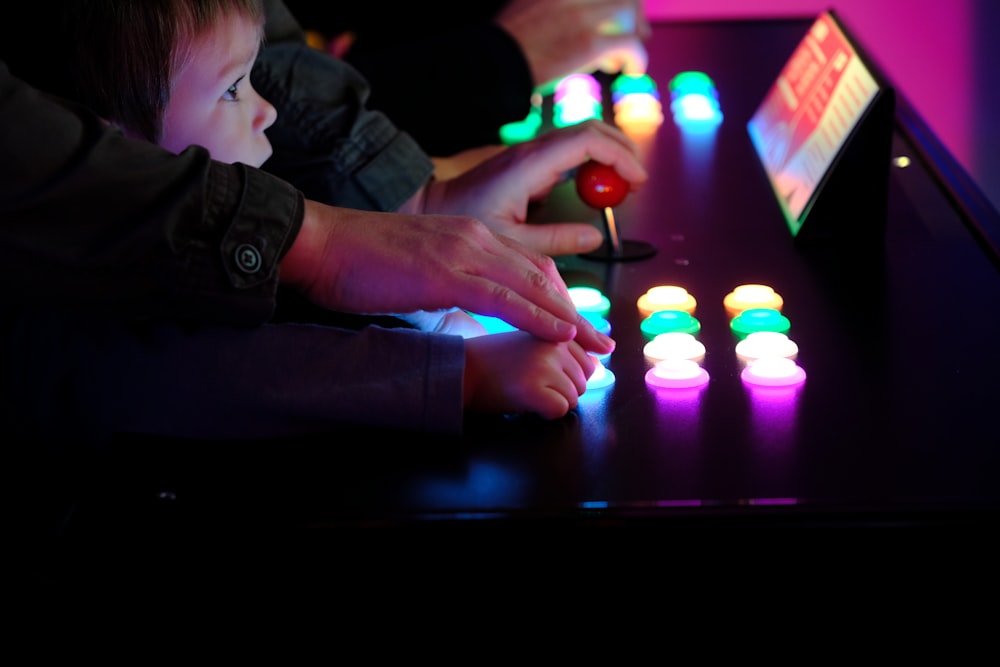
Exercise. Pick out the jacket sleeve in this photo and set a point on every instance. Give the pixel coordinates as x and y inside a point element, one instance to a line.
<point>92,220</point>
<point>93,378</point>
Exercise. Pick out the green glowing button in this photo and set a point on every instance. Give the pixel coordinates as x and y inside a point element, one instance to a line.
<point>666,321</point>
<point>759,319</point>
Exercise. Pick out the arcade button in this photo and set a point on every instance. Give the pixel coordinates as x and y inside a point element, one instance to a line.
<point>676,374</point>
<point>589,300</point>
<point>773,372</point>
<point>674,345</point>
<point>666,297</point>
<point>666,321</point>
<point>749,296</point>
<point>760,344</point>
<point>759,319</point>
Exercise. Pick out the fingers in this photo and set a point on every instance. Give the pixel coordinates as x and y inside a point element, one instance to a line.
<point>603,142</point>
<point>592,340</point>
<point>564,238</point>
<point>623,53</point>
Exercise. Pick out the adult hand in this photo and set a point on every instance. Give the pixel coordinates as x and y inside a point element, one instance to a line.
<point>498,190</point>
<point>560,37</point>
<point>367,262</point>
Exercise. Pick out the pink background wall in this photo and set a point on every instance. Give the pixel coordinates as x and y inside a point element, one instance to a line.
<point>944,57</point>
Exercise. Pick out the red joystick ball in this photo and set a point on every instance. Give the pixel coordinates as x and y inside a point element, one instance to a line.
<point>600,186</point>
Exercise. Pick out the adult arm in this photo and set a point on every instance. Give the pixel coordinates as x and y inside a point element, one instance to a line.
<point>94,221</point>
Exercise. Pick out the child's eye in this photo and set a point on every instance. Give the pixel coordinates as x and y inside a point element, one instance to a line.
<point>232,93</point>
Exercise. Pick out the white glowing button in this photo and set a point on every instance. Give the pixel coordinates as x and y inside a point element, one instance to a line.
<point>676,374</point>
<point>577,86</point>
<point>589,300</point>
<point>674,345</point>
<point>773,372</point>
<point>600,378</point>
<point>750,296</point>
<point>761,344</point>
<point>666,297</point>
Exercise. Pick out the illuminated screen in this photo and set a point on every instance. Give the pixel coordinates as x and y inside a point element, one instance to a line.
<point>809,113</point>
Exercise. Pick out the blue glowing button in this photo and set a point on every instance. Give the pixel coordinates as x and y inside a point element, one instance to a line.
<point>759,319</point>
<point>665,297</point>
<point>674,345</point>
<point>676,374</point>
<point>749,296</point>
<point>773,372</point>
<point>665,321</point>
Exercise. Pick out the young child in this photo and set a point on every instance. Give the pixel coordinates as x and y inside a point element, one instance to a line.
<point>180,77</point>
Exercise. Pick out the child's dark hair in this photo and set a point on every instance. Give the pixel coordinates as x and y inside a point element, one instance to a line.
<point>125,52</point>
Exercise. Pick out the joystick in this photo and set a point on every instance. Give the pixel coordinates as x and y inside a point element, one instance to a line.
<point>601,187</point>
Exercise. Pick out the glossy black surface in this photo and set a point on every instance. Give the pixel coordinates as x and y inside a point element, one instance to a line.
<point>897,422</point>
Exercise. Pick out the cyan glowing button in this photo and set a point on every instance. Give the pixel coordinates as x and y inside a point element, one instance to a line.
<point>676,374</point>
<point>759,319</point>
<point>600,378</point>
<point>633,84</point>
<point>674,345</point>
<point>666,297</point>
<point>589,300</point>
<point>760,344</point>
<point>493,324</point>
<point>600,323</point>
<point>665,321</point>
<point>749,296</point>
<point>694,99</point>
<point>773,372</point>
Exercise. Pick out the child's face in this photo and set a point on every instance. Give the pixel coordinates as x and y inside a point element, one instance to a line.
<point>212,103</point>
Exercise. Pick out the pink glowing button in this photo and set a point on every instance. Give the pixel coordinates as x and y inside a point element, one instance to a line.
<point>578,86</point>
<point>773,372</point>
<point>676,374</point>
<point>674,345</point>
<point>749,296</point>
<point>666,297</point>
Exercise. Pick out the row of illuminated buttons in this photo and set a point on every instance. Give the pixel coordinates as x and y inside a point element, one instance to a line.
<point>755,318</point>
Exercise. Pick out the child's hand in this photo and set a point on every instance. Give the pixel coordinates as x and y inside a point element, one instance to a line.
<point>515,372</point>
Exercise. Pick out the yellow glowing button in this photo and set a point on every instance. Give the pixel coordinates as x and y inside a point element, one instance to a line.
<point>674,345</point>
<point>749,296</point>
<point>666,297</point>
